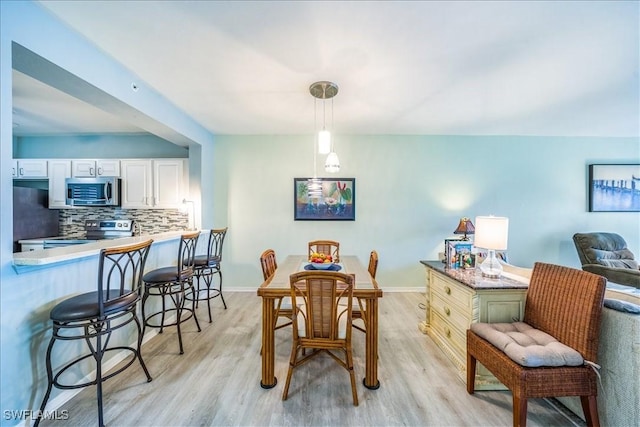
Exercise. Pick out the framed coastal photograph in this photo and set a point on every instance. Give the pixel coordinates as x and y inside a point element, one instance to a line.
<point>324,199</point>
<point>614,188</point>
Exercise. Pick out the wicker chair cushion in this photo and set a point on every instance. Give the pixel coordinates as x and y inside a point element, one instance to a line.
<point>527,346</point>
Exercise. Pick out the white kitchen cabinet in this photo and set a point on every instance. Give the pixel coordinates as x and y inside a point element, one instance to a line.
<point>95,168</point>
<point>59,171</point>
<point>30,168</point>
<point>155,183</point>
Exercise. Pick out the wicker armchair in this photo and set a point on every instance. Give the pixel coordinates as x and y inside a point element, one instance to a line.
<point>565,303</point>
<point>323,322</point>
<point>327,247</point>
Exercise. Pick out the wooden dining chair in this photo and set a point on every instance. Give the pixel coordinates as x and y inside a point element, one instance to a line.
<point>559,336</point>
<point>327,247</point>
<point>283,306</point>
<point>322,304</point>
<point>359,309</point>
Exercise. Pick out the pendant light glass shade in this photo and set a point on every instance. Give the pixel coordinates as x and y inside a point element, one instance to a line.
<point>324,142</point>
<point>332,164</point>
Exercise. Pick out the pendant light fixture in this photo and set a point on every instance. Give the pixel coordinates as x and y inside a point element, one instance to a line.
<point>326,90</point>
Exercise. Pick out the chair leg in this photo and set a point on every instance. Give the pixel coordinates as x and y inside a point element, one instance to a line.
<point>590,409</point>
<point>139,349</point>
<point>179,302</point>
<point>221,296</point>
<point>292,365</point>
<point>519,411</point>
<point>98,357</point>
<point>354,391</point>
<point>49,380</point>
<point>471,373</point>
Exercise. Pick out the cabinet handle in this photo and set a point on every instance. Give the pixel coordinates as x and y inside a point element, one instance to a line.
<point>448,332</point>
<point>447,311</point>
<point>447,290</point>
<point>21,173</point>
<point>99,171</point>
<point>91,171</point>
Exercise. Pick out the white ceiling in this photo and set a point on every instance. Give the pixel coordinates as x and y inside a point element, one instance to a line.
<point>403,67</point>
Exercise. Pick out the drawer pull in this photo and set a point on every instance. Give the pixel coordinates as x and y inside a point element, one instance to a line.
<point>447,311</point>
<point>447,290</point>
<point>448,332</point>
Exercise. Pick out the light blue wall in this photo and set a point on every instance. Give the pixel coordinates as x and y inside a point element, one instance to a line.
<point>410,194</point>
<point>108,146</point>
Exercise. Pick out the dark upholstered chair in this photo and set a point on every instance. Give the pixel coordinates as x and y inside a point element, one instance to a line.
<point>94,316</point>
<point>550,352</point>
<point>607,254</point>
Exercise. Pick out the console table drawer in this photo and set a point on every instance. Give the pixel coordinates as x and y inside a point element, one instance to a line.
<point>448,310</point>
<point>452,292</point>
<point>452,339</point>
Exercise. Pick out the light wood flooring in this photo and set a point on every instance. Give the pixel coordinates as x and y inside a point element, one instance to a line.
<point>217,381</point>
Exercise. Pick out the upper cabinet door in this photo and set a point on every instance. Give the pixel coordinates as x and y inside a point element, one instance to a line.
<point>84,168</point>
<point>59,171</point>
<point>31,168</point>
<point>136,192</point>
<point>108,167</point>
<point>168,183</point>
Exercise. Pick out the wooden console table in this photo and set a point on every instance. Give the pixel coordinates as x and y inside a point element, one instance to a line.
<point>456,298</point>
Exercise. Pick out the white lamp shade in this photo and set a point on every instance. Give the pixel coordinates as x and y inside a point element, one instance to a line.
<point>332,164</point>
<point>324,142</point>
<point>492,232</point>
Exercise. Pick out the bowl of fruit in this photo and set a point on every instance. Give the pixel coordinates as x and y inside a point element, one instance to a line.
<point>321,261</point>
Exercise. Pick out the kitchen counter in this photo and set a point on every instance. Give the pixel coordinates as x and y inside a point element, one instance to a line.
<point>48,257</point>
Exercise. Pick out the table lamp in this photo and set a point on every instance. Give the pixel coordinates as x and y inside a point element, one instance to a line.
<point>465,227</point>
<point>491,233</point>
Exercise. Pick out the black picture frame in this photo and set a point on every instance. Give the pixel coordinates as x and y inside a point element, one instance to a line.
<point>614,188</point>
<point>336,201</point>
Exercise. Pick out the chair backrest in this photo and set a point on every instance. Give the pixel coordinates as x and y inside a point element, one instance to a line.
<point>327,247</point>
<point>323,303</point>
<point>187,254</point>
<point>120,271</point>
<point>373,264</point>
<point>216,240</point>
<point>608,249</point>
<point>268,263</point>
<point>567,304</point>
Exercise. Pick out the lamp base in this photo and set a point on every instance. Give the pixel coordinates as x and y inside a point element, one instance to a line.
<point>491,267</point>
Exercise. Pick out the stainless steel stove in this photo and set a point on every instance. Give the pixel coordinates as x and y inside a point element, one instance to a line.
<point>95,230</point>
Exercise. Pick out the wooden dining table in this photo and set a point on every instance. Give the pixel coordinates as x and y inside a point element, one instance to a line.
<point>277,286</point>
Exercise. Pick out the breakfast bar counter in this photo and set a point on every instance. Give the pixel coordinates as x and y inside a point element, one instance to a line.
<point>47,257</point>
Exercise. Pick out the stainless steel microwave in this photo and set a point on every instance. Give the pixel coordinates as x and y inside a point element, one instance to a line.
<point>104,191</point>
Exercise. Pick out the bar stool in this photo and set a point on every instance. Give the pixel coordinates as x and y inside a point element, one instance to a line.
<point>94,316</point>
<point>174,283</point>
<point>206,266</point>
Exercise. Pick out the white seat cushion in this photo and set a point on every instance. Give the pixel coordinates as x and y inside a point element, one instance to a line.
<point>527,346</point>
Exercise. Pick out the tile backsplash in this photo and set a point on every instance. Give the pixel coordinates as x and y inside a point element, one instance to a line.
<point>147,220</point>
